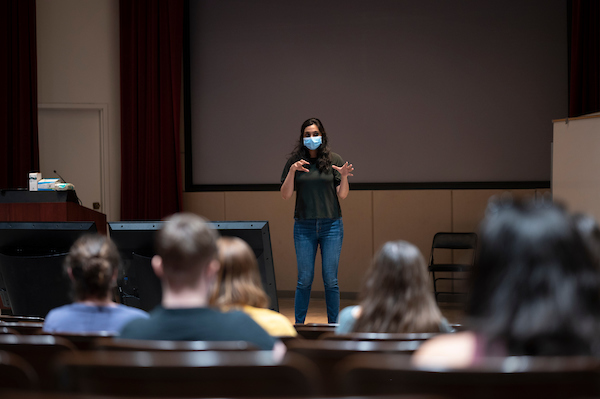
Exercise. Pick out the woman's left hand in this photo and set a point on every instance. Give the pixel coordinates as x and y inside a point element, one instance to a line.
<point>345,170</point>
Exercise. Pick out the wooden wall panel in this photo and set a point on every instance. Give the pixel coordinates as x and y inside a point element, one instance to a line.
<point>210,205</point>
<point>543,192</point>
<point>371,218</point>
<point>468,206</point>
<point>357,249</point>
<point>414,216</point>
<point>268,205</point>
<point>468,209</point>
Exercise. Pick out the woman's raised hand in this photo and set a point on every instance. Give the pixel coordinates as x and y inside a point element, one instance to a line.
<point>345,170</point>
<point>299,166</point>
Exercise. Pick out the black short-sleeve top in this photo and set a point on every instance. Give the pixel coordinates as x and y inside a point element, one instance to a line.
<point>316,192</point>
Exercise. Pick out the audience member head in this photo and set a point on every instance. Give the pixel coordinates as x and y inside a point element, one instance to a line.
<point>92,263</point>
<point>590,232</point>
<point>396,297</point>
<point>535,288</point>
<point>186,245</point>
<point>238,282</point>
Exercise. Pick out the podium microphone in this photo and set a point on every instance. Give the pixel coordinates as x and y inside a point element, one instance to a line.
<point>74,192</point>
<point>61,178</point>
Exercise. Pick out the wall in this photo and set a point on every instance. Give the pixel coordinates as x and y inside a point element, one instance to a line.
<point>78,67</point>
<point>370,219</point>
<point>576,162</point>
<point>78,64</point>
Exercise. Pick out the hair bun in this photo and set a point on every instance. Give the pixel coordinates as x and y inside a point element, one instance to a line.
<point>93,260</point>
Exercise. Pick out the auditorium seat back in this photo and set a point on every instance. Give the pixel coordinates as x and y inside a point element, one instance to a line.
<point>24,328</point>
<point>511,377</point>
<point>188,374</point>
<point>328,354</point>
<point>19,319</point>
<point>365,336</point>
<point>40,351</point>
<point>85,341</point>
<point>121,344</point>
<point>16,373</point>
<point>314,330</point>
<point>6,330</point>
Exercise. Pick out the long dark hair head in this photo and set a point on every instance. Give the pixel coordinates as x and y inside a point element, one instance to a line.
<point>396,297</point>
<point>535,287</point>
<point>323,152</point>
<point>589,230</point>
<point>93,260</point>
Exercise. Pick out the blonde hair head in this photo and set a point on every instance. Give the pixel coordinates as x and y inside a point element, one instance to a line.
<point>238,282</point>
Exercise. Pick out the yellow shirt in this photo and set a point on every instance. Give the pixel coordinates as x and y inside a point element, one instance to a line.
<point>276,324</point>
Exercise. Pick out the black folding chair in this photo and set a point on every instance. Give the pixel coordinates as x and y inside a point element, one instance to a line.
<point>451,241</point>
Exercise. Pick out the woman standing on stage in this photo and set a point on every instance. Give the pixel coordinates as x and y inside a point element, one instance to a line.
<point>320,178</point>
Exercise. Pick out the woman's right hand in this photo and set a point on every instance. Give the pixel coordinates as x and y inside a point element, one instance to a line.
<point>299,166</point>
<point>287,188</point>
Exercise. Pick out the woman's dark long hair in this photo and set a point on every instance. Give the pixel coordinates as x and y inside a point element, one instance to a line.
<point>535,289</point>
<point>589,230</point>
<point>323,152</point>
<point>396,297</point>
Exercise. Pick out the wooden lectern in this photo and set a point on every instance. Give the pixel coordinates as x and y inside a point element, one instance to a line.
<point>47,206</point>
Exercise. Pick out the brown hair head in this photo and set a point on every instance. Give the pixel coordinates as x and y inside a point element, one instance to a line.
<point>239,280</point>
<point>395,297</point>
<point>93,260</point>
<point>186,243</point>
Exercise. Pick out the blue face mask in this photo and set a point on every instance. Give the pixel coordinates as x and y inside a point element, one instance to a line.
<point>312,143</point>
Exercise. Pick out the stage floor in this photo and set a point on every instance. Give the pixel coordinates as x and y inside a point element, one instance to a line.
<point>318,314</point>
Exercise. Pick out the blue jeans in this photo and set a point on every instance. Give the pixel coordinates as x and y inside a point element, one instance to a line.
<point>308,234</point>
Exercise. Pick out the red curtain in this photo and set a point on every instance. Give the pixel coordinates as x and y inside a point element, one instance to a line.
<point>19,151</point>
<point>151,67</point>
<point>584,57</point>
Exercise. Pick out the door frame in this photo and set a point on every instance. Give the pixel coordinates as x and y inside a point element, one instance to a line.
<point>102,109</point>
